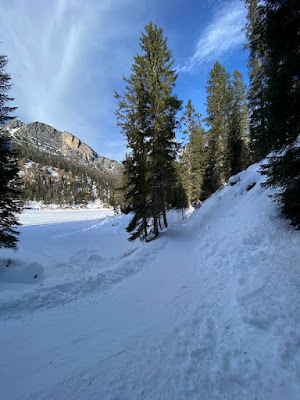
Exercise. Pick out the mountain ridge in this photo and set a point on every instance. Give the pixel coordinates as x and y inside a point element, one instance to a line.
<point>47,139</point>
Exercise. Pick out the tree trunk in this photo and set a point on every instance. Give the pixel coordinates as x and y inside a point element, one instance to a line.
<point>165,219</point>
<point>145,227</point>
<point>155,227</point>
<point>160,224</point>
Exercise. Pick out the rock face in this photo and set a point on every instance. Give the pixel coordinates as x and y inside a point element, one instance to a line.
<point>40,135</point>
<point>46,138</point>
<point>15,124</point>
<point>71,144</point>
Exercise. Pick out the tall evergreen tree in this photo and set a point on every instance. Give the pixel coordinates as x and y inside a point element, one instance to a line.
<point>136,194</point>
<point>9,191</point>
<point>219,100</point>
<point>147,114</point>
<point>179,195</point>
<point>237,146</point>
<point>259,145</point>
<point>185,171</point>
<point>281,42</point>
<point>198,159</point>
<point>193,158</point>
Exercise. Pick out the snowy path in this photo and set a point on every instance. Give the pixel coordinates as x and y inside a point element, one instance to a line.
<point>209,311</point>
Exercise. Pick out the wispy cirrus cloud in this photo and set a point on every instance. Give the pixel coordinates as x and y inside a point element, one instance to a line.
<point>64,58</point>
<point>222,35</point>
<point>43,44</point>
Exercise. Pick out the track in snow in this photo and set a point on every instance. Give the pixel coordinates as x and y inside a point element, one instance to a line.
<point>210,310</point>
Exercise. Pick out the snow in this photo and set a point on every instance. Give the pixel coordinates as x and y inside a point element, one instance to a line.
<point>35,216</point>
<point>18,273</point>
<point>209,310</point>
<point>29,164</point>
<point>13,131</point>
<point>52,171</point>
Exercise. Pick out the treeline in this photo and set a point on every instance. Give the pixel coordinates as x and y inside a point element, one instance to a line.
<point>160,173</point>
<point>209,158</point>
<point>274,96</point>
<point>9,169</point>
<point>248,126</point>
<point>70,184</point>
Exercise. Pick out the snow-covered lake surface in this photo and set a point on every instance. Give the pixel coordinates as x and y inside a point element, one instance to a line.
<point>210,310</point>
<point>39,217</point>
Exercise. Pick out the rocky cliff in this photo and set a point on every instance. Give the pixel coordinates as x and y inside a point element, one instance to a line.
<point>48,139</point>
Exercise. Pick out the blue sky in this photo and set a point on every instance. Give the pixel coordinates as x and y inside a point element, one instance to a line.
<point>66,57</point>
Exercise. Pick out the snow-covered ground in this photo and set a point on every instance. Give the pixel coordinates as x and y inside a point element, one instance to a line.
<point>210,310</point>
<point>40,217</point>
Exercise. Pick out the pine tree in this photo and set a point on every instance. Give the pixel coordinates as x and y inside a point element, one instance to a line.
<point>187,120</point>
<point>193,158</point>
<point>9,187</point>
<point>237,149</point>
<point>133,120</point>
<point>179,195</point>
<point>198,160</point>
<point>281,43</point>
<point>136,194</point>
<point>147,114</point>
<point>259,143</point>
<point>218,104</point>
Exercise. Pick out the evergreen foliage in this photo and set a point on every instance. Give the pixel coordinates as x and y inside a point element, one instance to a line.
<point>237,146</point>
<point>219,100</point>
<point>259,145</point>
<point>193,158</point>
<point>281,43</point>
<point>5,86</point>
<point>179,194</point>
<point>283,170</point>
<point>9,188</point>
<point>147,114</point>
<point>74,184</point>
<point>136,195</point>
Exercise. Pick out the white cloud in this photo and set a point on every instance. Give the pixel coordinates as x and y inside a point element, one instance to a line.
<point>42,44</point>
<point>63,64</point>
<point>223,34</point>
<point>66,58</point>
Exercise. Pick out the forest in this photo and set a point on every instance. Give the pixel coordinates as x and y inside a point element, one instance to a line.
<point>72,184</point>
<point>174,161</point>
<point>243,125</point>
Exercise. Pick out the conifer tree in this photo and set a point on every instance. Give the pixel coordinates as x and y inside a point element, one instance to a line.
<point>281,43</point>
<point>198,160</point>
<point>136,195</point>
<point>179,195</point>
<point>193,158</point>
<point>259,145</point>
<point>237,148</point>
<point>218,104</point>
<point>9,188</point>
<point>147,114</point>
<point>184,168</point>
<point>184,172</point>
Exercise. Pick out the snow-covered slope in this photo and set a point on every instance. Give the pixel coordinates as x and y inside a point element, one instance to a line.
<point>210,310</point>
